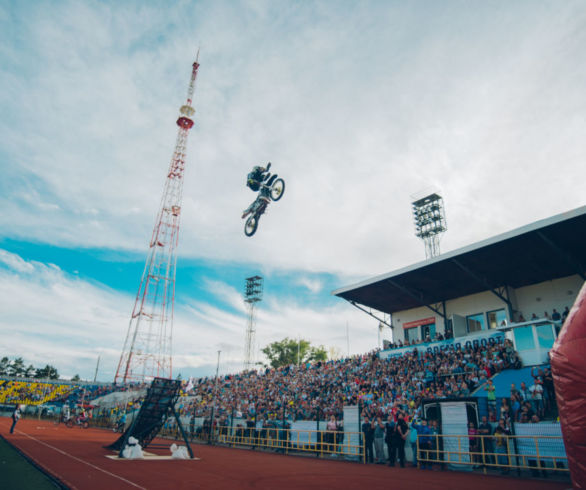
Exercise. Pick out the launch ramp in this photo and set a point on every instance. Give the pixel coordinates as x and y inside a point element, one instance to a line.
<point>158,405</point>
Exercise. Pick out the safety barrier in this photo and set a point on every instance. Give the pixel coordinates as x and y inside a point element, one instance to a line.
<point>502,452</point>
<point>318,442</point>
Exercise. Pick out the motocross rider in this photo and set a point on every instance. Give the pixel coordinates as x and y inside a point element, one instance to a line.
<point>254,180</point>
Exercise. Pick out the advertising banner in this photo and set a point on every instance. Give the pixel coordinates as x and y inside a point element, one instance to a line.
<point>484,338</point>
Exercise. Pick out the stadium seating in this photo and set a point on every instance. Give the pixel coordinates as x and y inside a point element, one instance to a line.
<point>32,392</point>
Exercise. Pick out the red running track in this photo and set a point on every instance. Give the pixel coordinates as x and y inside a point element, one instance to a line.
<point>77,458</point>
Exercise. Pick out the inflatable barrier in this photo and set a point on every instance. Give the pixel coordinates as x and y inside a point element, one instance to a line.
<point>568,364</point>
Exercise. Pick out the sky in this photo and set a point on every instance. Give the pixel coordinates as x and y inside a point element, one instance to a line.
<point>358,105</point>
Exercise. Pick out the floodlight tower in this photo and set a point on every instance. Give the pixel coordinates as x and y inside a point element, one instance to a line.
<point>147,350</point>
<point>430,221</point>
<point>252,295</point>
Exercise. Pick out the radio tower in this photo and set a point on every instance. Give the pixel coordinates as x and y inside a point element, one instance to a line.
<point>147,348</point>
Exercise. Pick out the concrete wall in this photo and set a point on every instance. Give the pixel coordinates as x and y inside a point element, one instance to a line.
<point>536,298</point>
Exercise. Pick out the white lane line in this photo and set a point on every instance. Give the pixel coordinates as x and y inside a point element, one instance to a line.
<point>82,461</point>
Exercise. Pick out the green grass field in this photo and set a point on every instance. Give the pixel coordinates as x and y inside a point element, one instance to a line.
<point>17,473</point>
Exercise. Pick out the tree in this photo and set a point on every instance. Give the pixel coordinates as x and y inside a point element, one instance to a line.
<point>47,372</point>
<point>16,368</point>
<point>4,366</point>
<point>30,371</point>
<point>76,378</point>
<point>291,351</point>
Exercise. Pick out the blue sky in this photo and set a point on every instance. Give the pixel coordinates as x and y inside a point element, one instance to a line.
<point>357,104</point>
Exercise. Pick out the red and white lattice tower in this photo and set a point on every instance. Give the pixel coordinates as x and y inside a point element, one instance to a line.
<point>147,349</point>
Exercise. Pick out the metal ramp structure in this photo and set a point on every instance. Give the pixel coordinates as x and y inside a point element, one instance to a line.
<point>158,405</point>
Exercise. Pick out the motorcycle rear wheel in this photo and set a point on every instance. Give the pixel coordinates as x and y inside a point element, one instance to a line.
<point>277,189</point>
<point>251,225</point>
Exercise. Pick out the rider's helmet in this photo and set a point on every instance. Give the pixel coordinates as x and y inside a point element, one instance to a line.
<point>255,177</point>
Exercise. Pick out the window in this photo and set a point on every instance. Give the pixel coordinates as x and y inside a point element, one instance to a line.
<point>412,334</point>
<point>496,318</point>
<point>545,337</point>
<point>524,338</point>
<point>475,323</point>
<point>428,331</point>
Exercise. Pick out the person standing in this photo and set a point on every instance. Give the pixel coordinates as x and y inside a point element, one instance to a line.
<point>491,395</point>
<point>424,433</point>
<point>389,429</point>
<point>368,434</point>
<point>15,418</point>
<point>379,438</point>
<point>565,314</point>
<point>330,434</point>
<point>398,441</point>
<point>502,446</point>
<point>486,447</point>
<point>413,428</point>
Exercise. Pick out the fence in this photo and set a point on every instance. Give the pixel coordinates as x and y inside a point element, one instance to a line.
<point>535,453</point>
<point>318,442</point>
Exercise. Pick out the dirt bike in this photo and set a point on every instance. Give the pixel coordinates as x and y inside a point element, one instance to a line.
<point>81,422</point>
<point>272,189</point>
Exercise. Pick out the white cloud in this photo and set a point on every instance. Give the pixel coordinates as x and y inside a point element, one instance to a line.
<point>52,317</point>
<point>314,285</point>
<point>357,108</point>
<point>15,262</point>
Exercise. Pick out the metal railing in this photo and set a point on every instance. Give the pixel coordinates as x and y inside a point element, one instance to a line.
<point>535,453</point>
<point>318,442</point>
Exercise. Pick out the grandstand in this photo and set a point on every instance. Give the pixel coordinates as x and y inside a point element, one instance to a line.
<point>459,337</point>
<point>32,392</point>
<point>509,280</point>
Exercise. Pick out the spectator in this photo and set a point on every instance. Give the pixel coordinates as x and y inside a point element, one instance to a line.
<point>368,434</point>
<point>15,418</point>
<point>413,432</point>
<point>331,433</point>
<point>389,429</point>
<point>565,314</point>
<point>536,399</point>
<point>505,410</point>
<point>555,316</point>
<point>398,437</point>
<point>491,395</point>
<point>473,444</point>
<point>502,446</point>
<point>424,435</point>
<point>486,446</point>
<point>379,437</point>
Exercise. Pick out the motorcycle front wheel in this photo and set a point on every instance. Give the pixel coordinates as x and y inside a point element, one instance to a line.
<point>277,189</point>
<point>251,225</point>
<point>85,424</point>
<point>69,424</point>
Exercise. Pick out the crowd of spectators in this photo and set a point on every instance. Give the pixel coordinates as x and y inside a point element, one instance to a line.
<point>438,336</point>
<point>35,393</point>
<point>319,390</point>
<point>530,404</point>
<point>555,316</point>
<point>32,393</point>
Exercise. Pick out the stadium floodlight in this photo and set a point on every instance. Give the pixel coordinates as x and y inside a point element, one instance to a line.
<point>252,295</point>
<point>430,221</point>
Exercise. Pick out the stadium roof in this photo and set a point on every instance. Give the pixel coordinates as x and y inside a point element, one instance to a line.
<point>547,249</point>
